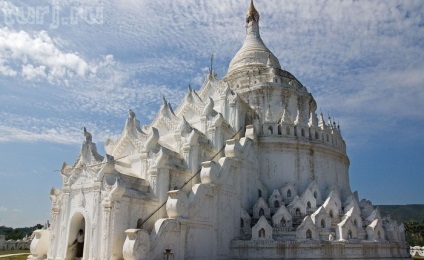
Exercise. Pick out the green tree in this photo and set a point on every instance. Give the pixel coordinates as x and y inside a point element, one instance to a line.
<point>18,233</point>
<point>414,233</point>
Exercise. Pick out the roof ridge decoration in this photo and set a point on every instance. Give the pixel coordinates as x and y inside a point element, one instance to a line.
<point>88,155</point>
<point>191,101</point>
<point>185,127</point>
<point>208,109</point>
<point>192,97</point>
<point>87,135</point>
<point>165,116</point>
<point>132,126</point>
<point>134,135</point>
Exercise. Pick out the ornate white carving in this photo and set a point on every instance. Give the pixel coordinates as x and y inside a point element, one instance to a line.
<point>39,244</point>
<point>136,245</point>
<point>233,149</point>
<point>113,191</point>
<point>185,127</point>
<point>152,141</point>
<point>177,204</point>
<point>209,172</point>
<point>56,198</point>
<point>416,251</point>
<point>208,110</point>
<point>80,199</point>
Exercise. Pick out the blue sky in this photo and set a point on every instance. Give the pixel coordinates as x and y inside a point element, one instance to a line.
<point>73,63</point>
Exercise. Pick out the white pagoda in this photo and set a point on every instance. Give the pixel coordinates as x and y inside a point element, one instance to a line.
<point>243,168</point>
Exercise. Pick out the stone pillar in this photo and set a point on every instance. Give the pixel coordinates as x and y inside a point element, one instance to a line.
<point>54,222</point>
<point>195,164</point>
<point>162,188</point>
<point>106,231</point>
<point>233,111</point>
<point>204,124</point>
<point>238,124</point>
<point>187,155</point>
<point>212,135</point>
<point>114,251</point>
<point>219,139</point>
<point>224,105</point>
<point>62,239</point>
<point>54,232</point>
<point>94,244</point>
<point>143,166</point>
<point>110,205</point>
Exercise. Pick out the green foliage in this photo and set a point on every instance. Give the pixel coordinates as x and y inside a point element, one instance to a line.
<point>403,213</point>
<point>18,233</point>
<point>413,218</point>
<point>414,233</point>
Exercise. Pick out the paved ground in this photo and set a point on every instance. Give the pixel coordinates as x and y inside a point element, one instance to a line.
<point>4,256</point>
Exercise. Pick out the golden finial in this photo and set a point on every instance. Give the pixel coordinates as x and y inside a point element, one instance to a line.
<point>252,13</point>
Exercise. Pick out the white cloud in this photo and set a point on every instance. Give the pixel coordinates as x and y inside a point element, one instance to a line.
<point>36,56</point>
<point>3,209</point>
<point>112,105</point>
<point>7,70</point>
<point>30,72</point>
<point>360,60</point>
<point>10,134</point>
<point>8,9</point>
<point>28,129</point>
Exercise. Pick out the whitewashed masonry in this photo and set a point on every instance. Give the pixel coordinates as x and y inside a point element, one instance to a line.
<point>279,189</point>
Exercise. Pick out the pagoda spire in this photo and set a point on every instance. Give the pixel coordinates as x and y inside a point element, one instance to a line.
<point>253,53</point>
<point>252,21</point>
<point>252,14</point>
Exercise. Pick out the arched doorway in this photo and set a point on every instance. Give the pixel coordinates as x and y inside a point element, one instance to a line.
<point>283,222</point>
<point>308,234</point>
<point>75,238</point>
<point>270,130</point>
<point>262,232</point>
<point>140,223</point>
<point>298,212</point>
<point>261,212</point>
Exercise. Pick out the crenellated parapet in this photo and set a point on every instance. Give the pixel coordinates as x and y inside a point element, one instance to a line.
<point>288,130</point>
